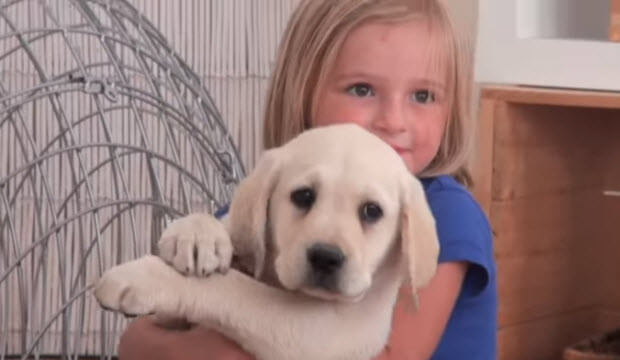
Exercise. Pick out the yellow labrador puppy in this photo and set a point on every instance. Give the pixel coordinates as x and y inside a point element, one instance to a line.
<point>330,223</point>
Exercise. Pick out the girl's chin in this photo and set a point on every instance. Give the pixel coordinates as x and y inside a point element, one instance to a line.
<point>408,160</point>
<point>415,165</point>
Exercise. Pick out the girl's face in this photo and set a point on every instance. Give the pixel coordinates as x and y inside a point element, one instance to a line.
<point>383,79</point>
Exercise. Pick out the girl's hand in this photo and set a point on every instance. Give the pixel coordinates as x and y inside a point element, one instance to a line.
<point>144,339</point>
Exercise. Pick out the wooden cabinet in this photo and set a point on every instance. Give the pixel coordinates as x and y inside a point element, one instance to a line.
<point>614,24</point>
<point>545,165</point>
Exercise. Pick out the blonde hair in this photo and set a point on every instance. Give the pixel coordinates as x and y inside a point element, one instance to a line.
<point>311,42</point>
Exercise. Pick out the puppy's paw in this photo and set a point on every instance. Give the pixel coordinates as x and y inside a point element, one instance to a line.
<point>140,287</point>
<point>197,244</point>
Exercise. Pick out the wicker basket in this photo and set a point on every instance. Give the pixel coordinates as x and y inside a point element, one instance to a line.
<point>601,347</point>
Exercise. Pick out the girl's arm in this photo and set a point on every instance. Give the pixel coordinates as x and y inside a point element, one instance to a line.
<point>144,339</point>
<point>416,334</point>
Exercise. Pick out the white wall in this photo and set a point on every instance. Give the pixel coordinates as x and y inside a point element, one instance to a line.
<point>576,19</point>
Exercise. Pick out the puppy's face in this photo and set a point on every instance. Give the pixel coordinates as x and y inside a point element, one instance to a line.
<point>332,204</point>
<point>333,217</point>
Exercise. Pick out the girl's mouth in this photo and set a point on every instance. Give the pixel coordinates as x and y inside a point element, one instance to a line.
<point>400,150</point>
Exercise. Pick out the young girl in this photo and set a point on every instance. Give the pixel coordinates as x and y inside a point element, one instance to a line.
<point>396,68</point>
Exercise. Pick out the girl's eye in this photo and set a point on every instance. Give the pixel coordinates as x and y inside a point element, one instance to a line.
<point>360,90</point>
<point>424,96</point>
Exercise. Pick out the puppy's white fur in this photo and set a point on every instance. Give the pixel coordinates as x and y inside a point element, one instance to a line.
<point>294,317</point>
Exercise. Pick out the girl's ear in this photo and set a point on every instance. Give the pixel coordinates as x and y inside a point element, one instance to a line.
<point>419,240</point>
<point>247,222</point>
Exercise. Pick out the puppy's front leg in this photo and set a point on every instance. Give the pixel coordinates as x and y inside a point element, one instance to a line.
<point>268,322</point>
<point>275,324</point>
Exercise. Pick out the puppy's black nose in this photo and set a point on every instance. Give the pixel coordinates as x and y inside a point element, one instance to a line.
<point>325,258</point>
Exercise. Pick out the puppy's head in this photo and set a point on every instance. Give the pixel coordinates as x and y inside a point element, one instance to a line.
<point>333,203</point>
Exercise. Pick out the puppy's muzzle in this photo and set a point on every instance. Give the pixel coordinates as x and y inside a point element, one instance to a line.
<point>325,261</point>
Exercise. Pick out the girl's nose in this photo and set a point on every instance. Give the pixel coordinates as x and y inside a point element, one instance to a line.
<point>391,117</point>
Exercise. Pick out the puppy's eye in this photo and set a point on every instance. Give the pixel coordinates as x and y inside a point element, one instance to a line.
<point>370,212</point>
<point>303,198</point>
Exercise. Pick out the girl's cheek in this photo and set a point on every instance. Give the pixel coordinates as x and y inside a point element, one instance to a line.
<point>341,114</point>
<point>332,119</point>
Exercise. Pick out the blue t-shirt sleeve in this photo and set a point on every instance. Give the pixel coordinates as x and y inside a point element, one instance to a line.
<point>221,212</point>
<point>465,235</point>
<point>464,232</point>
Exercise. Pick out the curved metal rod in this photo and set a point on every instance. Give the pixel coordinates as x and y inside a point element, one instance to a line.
<point>182,171</point>
<point>199,92</point>
<point>177,74</point>
<point>85,212</point>
<point>46,187</point>
<point>191,130</point>
<point>187,125</point>
<point>80,161</point>
<point>94,242</point>
<point>92,145</point>
<point>59,312</point>
<point>53,99</point>
<point>142,63</point>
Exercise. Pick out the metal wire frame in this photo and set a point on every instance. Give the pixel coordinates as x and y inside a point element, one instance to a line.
<point>97,153</point>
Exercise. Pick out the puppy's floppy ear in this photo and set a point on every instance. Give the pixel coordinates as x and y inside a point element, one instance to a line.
<point>420,243</point>
<point>249,210</point>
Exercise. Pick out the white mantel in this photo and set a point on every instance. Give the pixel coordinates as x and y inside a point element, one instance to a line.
<point>554,43</point>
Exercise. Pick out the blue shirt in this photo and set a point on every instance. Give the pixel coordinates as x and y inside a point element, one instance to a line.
<point>465,235</point>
